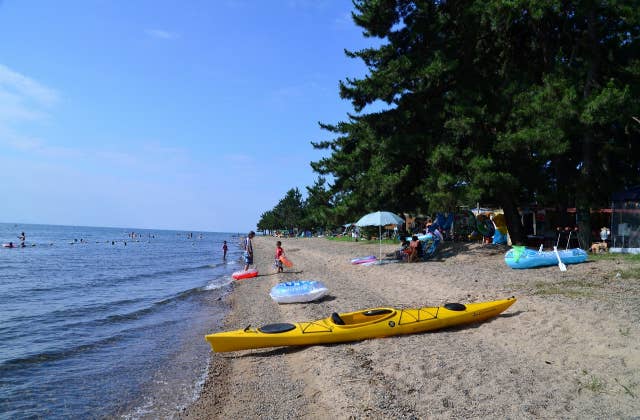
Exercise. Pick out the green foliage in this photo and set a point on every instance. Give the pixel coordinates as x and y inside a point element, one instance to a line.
<point>592,383</point>
<point>318,207</point>
<point>605,105</point>
<point>294,213</point>
<point>286,214</point>
<point>268,221</point>
<point>510,102</point>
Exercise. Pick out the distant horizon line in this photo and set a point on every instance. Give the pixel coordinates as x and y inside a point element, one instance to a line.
<point>129,228</point>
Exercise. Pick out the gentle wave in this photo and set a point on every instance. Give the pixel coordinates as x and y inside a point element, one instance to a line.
<point>54,317</point>
<point>49,356</point>
<point>86,328</point>
<point>163,273</point>
<point>155,306</point>
<point>52,356</point>
<point>213,285</point>
<point>190,292</point>
<point>108,281</point>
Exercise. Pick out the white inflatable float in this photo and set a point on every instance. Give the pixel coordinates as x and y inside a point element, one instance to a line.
<point>298,291</point>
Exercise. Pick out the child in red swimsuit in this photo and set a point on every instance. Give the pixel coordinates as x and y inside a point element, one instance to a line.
<point>279,253</point>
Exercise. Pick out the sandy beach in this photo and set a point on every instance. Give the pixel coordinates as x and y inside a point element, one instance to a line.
<point>568,348</point>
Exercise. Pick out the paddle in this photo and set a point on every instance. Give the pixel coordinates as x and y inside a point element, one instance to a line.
<point>560,263</point>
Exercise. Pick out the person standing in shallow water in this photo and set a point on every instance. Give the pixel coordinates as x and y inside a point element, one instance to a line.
<point>248,250</point>
<point>224,250</point>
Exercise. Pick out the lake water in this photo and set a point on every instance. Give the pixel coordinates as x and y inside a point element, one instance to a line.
<point>96,322</point>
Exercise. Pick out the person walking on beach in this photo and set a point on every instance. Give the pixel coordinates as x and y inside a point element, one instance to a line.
<point>248,250</point>
<point>279,253</point>
<point>224,250</point>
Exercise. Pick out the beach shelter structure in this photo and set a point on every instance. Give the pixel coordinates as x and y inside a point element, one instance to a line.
<point>625,220</point>
<point>380,218</point>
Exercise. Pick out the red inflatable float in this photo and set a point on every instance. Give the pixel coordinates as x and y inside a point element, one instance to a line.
<point>286,262</point>
<point>240,275</point>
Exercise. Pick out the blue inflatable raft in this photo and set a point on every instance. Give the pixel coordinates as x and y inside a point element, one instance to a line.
<point>298,291</point>
<point>521,257</point>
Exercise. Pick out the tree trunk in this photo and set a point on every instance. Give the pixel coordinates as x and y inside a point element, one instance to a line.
<point>514,222</point>
<point>584,227</point>
<point>583,198</point>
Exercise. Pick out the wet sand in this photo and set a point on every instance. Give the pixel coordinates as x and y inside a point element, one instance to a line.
<point>568,348</point>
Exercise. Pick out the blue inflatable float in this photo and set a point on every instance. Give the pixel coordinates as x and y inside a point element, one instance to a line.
<point>298,291</point>
<point>521,257</point>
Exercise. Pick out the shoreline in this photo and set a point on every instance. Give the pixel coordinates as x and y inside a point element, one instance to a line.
<point>569,347</point>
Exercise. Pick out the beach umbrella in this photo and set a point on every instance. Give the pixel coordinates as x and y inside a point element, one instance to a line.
<point>380,218</point>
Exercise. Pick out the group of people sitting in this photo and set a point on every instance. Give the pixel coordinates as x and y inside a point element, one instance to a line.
<point>420,246</point>
<point>410,251</point>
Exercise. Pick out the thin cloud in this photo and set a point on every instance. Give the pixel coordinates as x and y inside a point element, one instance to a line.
<point>162,34</point>
<point>22,99</point>
<point>34,146</point>
<point>15,108</point>
<point>26,89</point>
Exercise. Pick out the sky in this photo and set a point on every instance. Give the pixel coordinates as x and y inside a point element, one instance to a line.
<point>188,115</point>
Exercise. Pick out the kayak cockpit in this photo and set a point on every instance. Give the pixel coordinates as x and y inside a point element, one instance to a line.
<point>369,316</point>
<point>276,328</point>
<point>455,306</point>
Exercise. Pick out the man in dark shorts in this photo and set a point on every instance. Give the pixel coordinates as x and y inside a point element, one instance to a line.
<point>248,250</point>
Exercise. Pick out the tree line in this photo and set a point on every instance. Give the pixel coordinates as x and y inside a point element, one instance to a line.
<point>510,102</point>
<point>293,213</point>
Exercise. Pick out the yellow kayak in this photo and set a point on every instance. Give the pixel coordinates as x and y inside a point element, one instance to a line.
<point>360,325</point>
